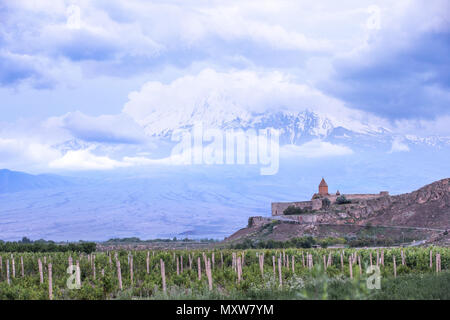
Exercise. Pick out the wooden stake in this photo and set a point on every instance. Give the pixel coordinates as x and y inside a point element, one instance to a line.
<point>359,263</point>
<point>431,259</point>
<point>350,264</point>
<point>261,264</point>
<point>13,267</point>
<point>279,272</point>
<point>303,260</point>
<point>293,264</point>
<point>131,269</point>
<point>324,263</point>
<point>50,282</point>
<point>41,275</point>
<point>199,268</point>
<point>181,263</point>
<point>395,266</point>
<point>342,261</point>
<point>178,266</point>
<point>7,272</point>
<point>273,262</point>
<point>78,274</point>
<point>21,266</point>
<point>239,268</point>
<point>209,274</point>
<point>370,258</point>
<point>119,274</point>
<point>163,275</point>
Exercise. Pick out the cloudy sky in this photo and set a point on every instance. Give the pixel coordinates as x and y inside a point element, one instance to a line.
<point>96,70</point>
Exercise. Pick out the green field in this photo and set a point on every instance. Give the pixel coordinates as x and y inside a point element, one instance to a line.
<point>240,277</point>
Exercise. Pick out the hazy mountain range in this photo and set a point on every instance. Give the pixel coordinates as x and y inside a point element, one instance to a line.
<point>214,201</point>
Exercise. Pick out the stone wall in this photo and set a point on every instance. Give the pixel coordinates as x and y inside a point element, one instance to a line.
<point>316,204</point>
<point>279,207</point>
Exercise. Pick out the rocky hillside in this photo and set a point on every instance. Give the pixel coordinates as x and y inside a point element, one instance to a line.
<point>426,210</point>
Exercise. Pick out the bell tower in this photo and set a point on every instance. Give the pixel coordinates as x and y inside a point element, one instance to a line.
<point>323,188</point>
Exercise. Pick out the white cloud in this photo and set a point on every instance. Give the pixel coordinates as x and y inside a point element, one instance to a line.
<point>398,145</point>
<point>219,97</point>
<point>118,128</point>
<point>85,160</point>
<point>315,149</point>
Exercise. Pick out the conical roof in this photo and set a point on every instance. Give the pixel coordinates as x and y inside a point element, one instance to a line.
<point>323,183</point>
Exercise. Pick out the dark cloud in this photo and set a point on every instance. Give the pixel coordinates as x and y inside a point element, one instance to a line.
<point>398,81</point>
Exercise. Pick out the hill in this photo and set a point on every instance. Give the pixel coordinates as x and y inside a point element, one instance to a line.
<point>421,214</point>
<point>14,181</point>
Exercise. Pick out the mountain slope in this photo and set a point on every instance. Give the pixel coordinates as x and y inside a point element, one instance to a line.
<point>14,181</point>
<point>426,209</point>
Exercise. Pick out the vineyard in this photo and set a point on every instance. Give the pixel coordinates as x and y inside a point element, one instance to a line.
<point>227,274</point>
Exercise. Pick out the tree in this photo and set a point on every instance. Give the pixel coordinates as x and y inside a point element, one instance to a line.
<point>342,200</point>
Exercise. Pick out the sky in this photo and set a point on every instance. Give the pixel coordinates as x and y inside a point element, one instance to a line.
<point>99,70</point>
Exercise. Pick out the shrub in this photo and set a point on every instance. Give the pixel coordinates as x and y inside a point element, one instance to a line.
<point>295,210</point>
<point>342,200</point>
<point>326,203</point>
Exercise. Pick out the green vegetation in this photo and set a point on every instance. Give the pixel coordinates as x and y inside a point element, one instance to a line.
<point>295,210</point>
<point>138,240</point>
<point>415,279</point>
<point>302,242</point>
<point>27,245</point>
<point>326,203</point>
<point>342,200</point>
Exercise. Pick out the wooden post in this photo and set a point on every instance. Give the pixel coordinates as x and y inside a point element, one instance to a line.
<point>7,272</point>
<point>199,268</point>
<point>69,261</point>
<point>163,275</point>
<point>293,264</point>
<point>50,282</point>
<point>261,264</point>
<point>1,265</point>
<point>178,266</point>
<point>303,259</point>
<point>431,259</point>
<point>239,259</point>
<point>119,274</point>
<point>131,269</point>
<point>280,279</point>
<point>324,263</point>
<point>221,260</point>
<point>13,267</point>
<point>350,264</point>
<point>342,261</point>
<point>190,262</point>
<point>437,262</point>
<point>378,256</point>
<point>212,259</point>
<point>148,262</point>
<point>103,272</point>
<point>395,266</point>
<point>41,275</point>
<point>181,263</point>
<point>78,274</point>
<point>370,258</point>
<point>273,262</point>
<point>21,266</point>
<point>382,257</point>
<point>209,274</point>
<point>359,263</point>
<point>403,258</point>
